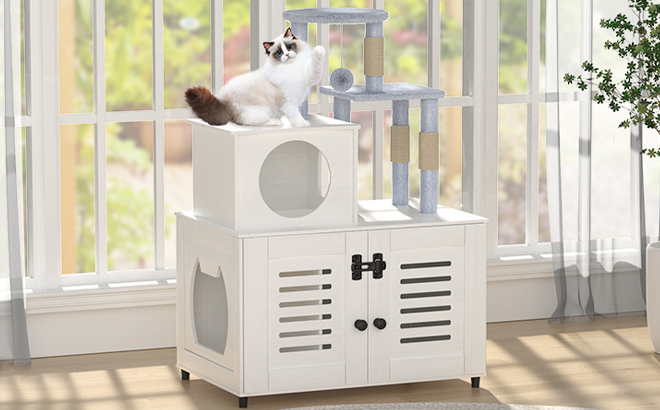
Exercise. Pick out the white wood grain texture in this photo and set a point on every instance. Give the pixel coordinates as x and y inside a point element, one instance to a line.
<point>431,237</point>
<point>357,308</point>
<point>427,368</point>
<point>307,378</point>
<point>320,294</point>
<point>220,252</point>
<point>306,245</point>
<point>307,280</point>
<point>336,296</point>
<point>475,300</point>
<point>316,324</point>
<point>379,291</point>
<point>208,370</point>
<point>181,222</point>
<point>227,163</point>
<point>214,170</point>
<point>428,250</point>
<point>423,254</point>
<point>255,315</point>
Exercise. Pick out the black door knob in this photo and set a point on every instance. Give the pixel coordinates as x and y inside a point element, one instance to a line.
<point>361,325</point>
<point>380,323</point>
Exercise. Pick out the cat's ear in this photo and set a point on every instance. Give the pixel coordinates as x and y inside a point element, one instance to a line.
<point>289,33</point>
<point>267,45</point>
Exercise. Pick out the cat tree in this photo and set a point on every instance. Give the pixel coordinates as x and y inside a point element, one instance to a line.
<point>287,283</point>
<point>375,90</point>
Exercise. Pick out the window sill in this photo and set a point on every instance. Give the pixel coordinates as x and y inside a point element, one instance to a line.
<point>57,301</point>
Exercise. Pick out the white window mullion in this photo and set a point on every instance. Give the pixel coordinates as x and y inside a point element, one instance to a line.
<point>434,42</point>
<point>323,39</point>
<point>159,135</point>
<point>100,194</point>
<point>44,252</point>
<point>217,47</point>
<point>486,138</point>
<point>533,62</point>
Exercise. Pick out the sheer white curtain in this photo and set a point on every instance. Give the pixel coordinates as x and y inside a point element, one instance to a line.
<point>13,329</point>
<point>596,184</point>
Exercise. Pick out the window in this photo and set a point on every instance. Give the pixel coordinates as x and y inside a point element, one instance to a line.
<point>109,148</point>
<point>105,183</point>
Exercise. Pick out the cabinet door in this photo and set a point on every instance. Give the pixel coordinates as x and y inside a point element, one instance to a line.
<point>306,311</point>
<point>421,297</point>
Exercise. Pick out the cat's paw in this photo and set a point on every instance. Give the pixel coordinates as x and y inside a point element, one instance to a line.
<point>319,52</point>
<point>301,123</point>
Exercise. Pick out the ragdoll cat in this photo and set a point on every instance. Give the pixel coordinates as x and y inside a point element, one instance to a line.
<point>261,97</point>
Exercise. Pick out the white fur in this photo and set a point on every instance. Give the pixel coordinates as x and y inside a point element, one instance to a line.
<point>276,89</point>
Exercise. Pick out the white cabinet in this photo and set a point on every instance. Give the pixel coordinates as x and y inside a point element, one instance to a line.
<point>292,301</point>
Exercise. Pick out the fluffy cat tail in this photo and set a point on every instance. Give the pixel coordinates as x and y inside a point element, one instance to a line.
<point>207,107</point>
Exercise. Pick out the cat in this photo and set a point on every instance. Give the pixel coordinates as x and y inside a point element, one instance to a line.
<point>261,97</point>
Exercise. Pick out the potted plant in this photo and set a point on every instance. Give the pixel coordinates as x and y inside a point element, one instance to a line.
<point>638,43</point>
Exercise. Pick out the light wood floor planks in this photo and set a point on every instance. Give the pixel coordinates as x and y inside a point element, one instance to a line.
<point>609,364</point>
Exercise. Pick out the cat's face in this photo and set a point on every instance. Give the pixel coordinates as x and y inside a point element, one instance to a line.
<point>283,48</point>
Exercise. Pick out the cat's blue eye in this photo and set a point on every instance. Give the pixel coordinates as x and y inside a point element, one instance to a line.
<point>279,52</point>
<point>289,47</point>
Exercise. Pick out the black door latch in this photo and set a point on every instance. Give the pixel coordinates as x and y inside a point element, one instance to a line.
<point>377,266</point>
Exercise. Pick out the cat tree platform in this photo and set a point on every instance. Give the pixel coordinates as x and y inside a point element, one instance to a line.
<point>400,94</point>
<point>390,92</point>
<point>336,16</point>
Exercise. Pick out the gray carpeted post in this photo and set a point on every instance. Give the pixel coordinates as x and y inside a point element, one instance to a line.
<point>373,62</point>
<point>428,181</point>
<point>400,170</point>
<point>342,109</point>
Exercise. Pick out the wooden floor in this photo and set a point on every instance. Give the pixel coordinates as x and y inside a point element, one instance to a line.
<point>609,364</point>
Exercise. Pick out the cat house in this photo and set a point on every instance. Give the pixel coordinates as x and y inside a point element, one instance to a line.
<point>256,178</point>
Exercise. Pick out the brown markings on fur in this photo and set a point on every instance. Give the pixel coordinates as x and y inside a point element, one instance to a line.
<point>268,45</point>
<point>289,33</point>
<point>207,107</point>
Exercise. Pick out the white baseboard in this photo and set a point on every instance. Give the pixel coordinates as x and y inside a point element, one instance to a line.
<point>99,331</point>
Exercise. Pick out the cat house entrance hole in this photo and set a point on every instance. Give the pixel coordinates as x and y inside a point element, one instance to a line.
<point>294,179</point>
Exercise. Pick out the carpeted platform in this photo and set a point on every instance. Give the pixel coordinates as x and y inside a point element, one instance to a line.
<point>438,406</point>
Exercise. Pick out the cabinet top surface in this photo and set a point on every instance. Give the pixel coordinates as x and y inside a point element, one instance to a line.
<point>378,214</point>
<point>316,122</point>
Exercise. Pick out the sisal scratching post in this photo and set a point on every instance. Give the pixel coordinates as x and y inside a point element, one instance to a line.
<point>342,109</point>
<point>428,157</point>
<point>400,152</point>
<point>300,30</point>
<point>374,63</point>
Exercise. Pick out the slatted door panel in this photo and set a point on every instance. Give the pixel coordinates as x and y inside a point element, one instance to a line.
<point>426,278</point>
<point>306,303</point>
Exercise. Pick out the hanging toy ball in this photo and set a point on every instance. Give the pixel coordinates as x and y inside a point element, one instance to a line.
<point>341,79</point>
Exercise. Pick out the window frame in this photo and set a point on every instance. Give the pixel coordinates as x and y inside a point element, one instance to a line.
<point>479,128</point>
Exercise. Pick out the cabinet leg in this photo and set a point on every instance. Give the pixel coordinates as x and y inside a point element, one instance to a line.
<point>475,382</point>
<point>242,402</point>
<point>185,375</point>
